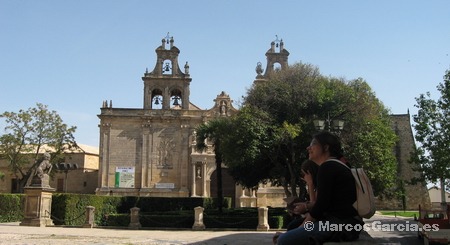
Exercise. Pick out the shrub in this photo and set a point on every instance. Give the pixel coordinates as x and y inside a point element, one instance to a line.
<point>120,220</point>
<point>11,207</point>
<point>70,209</point>
<point>167,221</point>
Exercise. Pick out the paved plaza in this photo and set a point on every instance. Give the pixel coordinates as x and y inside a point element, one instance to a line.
<point>13,233</point>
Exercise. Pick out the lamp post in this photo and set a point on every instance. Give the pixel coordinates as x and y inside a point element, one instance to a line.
<point>336,125</point>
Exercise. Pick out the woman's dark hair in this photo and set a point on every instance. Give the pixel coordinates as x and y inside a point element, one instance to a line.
<point>330,142</point>
<point>312,168</point>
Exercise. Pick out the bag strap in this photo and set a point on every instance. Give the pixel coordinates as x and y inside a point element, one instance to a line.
<point>339,161</point>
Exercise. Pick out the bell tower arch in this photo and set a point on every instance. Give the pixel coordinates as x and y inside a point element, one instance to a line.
<point>277,59</point>
<point>167,87</point>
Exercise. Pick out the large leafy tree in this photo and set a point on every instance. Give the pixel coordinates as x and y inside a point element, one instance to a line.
<point>432,126</point>
<point>253,150</point>
<point>294,97</point>
<point>27,133</point>
<point>246,147</point>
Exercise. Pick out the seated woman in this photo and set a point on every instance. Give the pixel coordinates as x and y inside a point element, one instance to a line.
<point>298,209</point>
<point>309,175</point>
<point>336,193</point>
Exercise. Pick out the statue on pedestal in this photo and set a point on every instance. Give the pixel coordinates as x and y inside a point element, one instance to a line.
<point>41,176</point>
<point>38,196</point>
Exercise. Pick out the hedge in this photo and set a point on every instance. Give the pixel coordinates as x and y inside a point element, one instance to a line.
<point>70,209</point>
<point>155,212</point>
<point>11,207</point>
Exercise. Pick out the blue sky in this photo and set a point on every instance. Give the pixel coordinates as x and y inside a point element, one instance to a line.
<point>71,55</point>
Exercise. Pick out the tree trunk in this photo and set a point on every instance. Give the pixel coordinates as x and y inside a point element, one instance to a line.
<point>443,194</point>
<point>291,163</point>
<point>22,183</point>
<point>219,182</point>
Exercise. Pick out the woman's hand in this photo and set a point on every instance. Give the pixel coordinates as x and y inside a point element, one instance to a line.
<point>300,208</point>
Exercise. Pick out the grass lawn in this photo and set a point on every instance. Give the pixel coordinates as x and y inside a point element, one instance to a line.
<point>409,214</point>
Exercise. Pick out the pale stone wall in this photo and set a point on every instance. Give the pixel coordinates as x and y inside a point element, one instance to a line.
<point>271,197</point>
<point>91,161</point>
<point>435,196</point>
<point>83,180</point>
<point>76,181</point>
<point>5,183</point>
<point>157,148</point>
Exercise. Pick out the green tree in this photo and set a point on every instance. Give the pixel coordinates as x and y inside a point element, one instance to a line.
<point>263,149</point>
<point>27,132</point>
<point>215,131</point>
<point>246,148</point>
<point>432,126</point>
<point>294,97</point>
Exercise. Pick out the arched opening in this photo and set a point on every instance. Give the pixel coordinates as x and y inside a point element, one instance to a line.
<point>157,99</point>
<point>167,67</point>
<point>176,99</point>
<point>276,67</point>
<point>228,185</point>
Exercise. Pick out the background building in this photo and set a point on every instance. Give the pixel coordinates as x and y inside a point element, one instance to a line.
<point>83,179</point>
<point>435,196</point>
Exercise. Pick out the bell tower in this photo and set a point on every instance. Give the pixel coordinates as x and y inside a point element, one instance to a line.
<point>167,87</point>
<point>277,59</point>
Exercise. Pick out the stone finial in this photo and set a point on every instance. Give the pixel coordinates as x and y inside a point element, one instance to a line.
<point>171,42</point>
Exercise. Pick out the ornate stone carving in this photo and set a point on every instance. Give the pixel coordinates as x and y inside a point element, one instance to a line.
<point>165,150</point>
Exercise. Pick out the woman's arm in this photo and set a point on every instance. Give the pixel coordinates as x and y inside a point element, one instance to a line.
<point>308,218</point>
<point>307,177</point>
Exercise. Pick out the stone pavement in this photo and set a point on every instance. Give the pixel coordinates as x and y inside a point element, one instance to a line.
<point>403,237</point>
<point>12,233</point>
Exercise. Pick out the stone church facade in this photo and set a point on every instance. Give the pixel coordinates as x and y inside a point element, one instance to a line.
<point>150,151</point>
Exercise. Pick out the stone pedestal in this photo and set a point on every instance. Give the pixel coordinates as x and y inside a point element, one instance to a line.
<point>198,223</point>
<point>134,219</point>
<point>38,203</point>
<point>90,217</point>
<point>263,218</point>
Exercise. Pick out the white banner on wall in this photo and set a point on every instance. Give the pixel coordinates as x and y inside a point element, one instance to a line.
<point>124,177</point>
